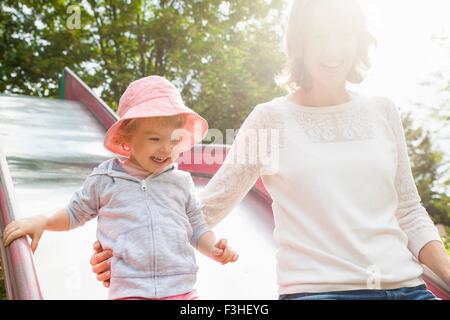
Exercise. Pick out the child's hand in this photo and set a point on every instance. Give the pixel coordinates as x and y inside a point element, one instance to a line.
<point>34,227</point>
<point>223,253</point>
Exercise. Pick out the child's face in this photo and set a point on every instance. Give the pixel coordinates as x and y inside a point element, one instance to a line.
<point>331,46</point>
<point>154,146</point>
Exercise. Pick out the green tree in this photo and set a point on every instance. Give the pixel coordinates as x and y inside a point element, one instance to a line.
<point>223,55</point>
<point>35,45</point>
<point>2,284</point>
<point>427,162</point>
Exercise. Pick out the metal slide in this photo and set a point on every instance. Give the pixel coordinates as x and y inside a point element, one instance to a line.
<point>48,147</point>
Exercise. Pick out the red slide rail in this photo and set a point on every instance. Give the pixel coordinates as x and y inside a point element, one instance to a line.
<point>73,88</point>
<point>17,259</point>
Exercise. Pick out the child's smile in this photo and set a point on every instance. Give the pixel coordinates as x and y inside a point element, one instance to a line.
<point>159,160</point>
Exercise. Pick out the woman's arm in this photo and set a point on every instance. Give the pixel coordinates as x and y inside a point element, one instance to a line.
<point>35,227</point>
<point>423,238</point>
<point>226,189</point>
<point>253,151</point>
<point>435,257</point>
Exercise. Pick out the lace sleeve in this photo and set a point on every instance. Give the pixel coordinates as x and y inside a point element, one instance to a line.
<point>411,215</point>
<point>241,168</point>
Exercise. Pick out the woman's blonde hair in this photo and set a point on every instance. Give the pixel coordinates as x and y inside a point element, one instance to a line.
<point>294,74</point>
<point>129,126</point>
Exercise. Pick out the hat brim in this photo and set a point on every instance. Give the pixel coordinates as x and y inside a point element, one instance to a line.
<point>195,129</point>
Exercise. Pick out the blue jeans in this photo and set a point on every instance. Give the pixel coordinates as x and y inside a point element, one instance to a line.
<point>414,293</point>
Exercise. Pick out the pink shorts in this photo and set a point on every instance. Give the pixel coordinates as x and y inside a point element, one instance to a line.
<point>191,295</point>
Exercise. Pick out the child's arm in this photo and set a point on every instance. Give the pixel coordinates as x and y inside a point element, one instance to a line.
<point>216,250</point>
<point>35,227</point>
<point>82,207</point>
<point>203,239</point>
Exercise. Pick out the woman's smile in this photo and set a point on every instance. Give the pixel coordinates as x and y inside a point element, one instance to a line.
<point>332,66</point>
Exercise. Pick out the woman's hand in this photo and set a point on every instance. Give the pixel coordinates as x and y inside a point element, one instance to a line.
<point>33,227</point>
<point>435,257</point>
<point>223,253</point>
<point>101,263</point>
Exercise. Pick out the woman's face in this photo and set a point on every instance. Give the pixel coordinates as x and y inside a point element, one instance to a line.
<point>331,45</point>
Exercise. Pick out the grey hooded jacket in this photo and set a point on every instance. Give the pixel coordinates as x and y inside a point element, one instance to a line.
<point>148,224</point>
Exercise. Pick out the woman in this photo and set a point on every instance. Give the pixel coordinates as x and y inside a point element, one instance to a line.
<point>348,219</point>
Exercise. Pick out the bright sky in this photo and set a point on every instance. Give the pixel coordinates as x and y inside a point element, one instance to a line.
<point>407,55</point>
<point>413,48</point>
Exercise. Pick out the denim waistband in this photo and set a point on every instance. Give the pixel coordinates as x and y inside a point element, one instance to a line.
<point>408,293</point>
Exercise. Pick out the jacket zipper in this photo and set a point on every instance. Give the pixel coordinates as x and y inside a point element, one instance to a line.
<point>144,189</point>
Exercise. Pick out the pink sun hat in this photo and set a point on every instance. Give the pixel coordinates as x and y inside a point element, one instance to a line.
<point>155,96</point>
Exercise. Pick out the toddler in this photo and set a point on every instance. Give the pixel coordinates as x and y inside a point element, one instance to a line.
<point>147,210</point>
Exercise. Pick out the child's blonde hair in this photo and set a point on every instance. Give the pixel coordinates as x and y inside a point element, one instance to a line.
<point>294,72</point>
<point>129,126</point>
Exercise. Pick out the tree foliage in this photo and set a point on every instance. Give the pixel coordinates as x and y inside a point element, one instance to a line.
<point>223,55</point>
<point>426,162</point>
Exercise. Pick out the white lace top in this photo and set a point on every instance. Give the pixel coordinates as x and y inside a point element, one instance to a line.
<point>346,209</point>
